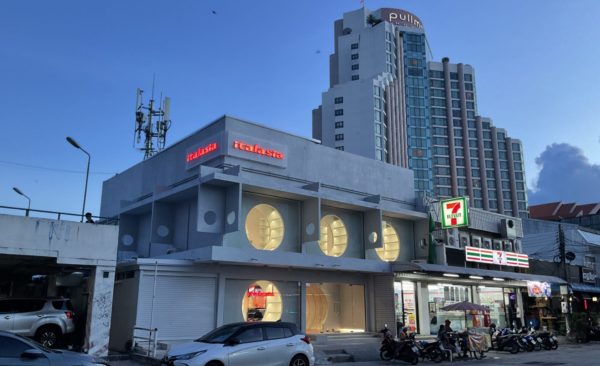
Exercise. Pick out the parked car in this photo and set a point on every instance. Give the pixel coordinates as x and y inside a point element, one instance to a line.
<point>45,320</point>
<point>17,350</point>
<point>237,344</point>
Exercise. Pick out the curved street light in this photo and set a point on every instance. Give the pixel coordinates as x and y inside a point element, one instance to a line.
<point>71,141</point>
<point>26,196</point>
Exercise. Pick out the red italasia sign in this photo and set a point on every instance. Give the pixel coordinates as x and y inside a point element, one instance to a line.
<point>201,151</point>
<point>257,149</point>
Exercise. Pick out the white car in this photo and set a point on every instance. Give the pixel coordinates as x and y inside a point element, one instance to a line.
<point>243,344</point>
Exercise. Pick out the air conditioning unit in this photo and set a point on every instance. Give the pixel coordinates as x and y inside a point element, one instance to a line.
<point>518,246</point>
<point>497,244</point>
<point>465,240</point>
<point>508,247</point>
<point>452,238</point>
<point>508,228</point>
<point>476,241</point>
<point>486,243</point>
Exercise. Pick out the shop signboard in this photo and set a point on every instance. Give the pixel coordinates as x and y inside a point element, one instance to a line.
<point>480,255</point>
<point>455,212</point>
<point>539,289</point>
<point>588,275</point>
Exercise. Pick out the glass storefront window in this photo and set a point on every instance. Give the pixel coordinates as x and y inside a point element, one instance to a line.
<point>334,237</point>
<point>441,295</point>
<point>405,298</point>
<point>391,243</point>
<point>335,308</point>
<point>264,227</point>
<point>493,298</point>
<point>262,302</point>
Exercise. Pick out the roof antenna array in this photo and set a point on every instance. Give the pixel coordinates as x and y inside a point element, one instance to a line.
<point>151,123</point>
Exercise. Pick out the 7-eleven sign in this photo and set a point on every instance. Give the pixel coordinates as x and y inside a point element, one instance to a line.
<point>455,213</point>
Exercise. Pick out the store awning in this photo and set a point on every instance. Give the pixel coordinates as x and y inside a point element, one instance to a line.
<point>580,287</point>
<point>438,268</point>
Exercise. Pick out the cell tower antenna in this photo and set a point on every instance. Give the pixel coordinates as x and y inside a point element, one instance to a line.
<point>152,123</point>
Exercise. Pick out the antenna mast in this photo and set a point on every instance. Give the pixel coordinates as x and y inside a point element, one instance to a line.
<point>154,132</point>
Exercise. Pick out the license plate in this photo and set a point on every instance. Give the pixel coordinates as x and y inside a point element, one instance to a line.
<point>415,349</point>
<point>539,340</point>
<point>533,341</point>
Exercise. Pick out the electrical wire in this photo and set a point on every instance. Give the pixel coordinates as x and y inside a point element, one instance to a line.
<point>28,166</point>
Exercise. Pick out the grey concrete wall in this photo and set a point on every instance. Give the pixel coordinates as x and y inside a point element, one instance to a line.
<point>69,242</point>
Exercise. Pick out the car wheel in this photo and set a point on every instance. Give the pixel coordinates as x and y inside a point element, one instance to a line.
<point>299,360</point>
<point>48,336</point>
<point>214,363</point>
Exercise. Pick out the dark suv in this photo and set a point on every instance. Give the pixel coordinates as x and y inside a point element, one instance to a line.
<point>46,320</point>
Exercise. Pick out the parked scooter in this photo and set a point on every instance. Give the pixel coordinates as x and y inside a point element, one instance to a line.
<point>549,341</point>
<point>431,350</point>
<point>504,340</point>
<point>405,350</point>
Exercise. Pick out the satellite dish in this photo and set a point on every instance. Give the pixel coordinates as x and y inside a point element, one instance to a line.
<point>570,256</point>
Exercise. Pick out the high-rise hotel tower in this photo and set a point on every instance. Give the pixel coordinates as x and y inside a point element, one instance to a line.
<point>389,102</point>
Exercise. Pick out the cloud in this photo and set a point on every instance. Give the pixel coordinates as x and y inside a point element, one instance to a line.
<point>566,175</point>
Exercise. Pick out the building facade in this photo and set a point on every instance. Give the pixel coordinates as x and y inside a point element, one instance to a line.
<point>240,222</point>
<point>388,101</point>
<point>247,223</point>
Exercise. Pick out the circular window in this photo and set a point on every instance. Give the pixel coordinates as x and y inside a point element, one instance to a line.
<point>391,243</point>
<point>262,302</point>
<point>334,238</point>
<point>264,227</point>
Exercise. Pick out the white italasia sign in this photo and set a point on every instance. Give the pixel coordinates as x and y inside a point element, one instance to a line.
<point>455,213</point>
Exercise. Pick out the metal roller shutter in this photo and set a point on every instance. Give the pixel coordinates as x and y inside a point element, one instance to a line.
<point>384,302</point>
<point>184,305</point>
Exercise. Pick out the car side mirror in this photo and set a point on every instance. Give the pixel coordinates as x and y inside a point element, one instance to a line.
<point>32,354</point>
<point>232,342</point>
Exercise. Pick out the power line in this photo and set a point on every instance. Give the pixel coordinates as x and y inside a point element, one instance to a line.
<point>21,165</point>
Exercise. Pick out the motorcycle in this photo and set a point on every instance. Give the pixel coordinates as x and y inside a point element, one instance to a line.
<point>431,350</point>
<point>504,340</point>
<point>405,350</point>
<point>549,341</point>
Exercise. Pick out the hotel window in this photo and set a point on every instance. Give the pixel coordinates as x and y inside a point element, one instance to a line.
<point>334,237</point>
<point>391,243</point>
<point>339,137</point>
<point>516,147</point>
<point>455,104</point>
<point>338,100</point>
<point>355,77</point>
<point>470,105</point>
<point>264,227</point>
<point>454,85</point>
<point>339,124</point>
<point>339,148</point>
<point>468,86</point>
<point>339,112</point>
<point>355,67</point>
<point>491,183</point>
<point>468,77</point>
<point>520,186</point>
<point>454,94</point>
<point>354,56</point>
<point>354,46</point>
<point>470,114</point>
<point>453,76</point>
<point>469,96</point>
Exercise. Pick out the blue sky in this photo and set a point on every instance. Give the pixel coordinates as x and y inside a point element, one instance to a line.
<point>71,68</point>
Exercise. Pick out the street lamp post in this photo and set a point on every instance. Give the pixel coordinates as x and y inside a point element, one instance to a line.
<point>87,172</point>
<point>26,196</point>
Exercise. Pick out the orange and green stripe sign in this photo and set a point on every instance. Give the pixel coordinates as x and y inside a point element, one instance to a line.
<point>499,257</point>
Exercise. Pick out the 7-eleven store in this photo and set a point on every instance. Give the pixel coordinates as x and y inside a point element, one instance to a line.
<point>481,263</point>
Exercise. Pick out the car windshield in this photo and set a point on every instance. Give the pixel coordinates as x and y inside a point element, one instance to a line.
<point>220,334</point>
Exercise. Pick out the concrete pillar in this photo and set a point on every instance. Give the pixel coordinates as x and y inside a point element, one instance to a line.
<point>423,310</point>
<point>51,290</point>
<point>220,300</point>
<point>302,306</point>
<point>101,285</point>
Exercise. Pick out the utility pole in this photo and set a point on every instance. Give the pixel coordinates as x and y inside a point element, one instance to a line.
<point>563,263</point>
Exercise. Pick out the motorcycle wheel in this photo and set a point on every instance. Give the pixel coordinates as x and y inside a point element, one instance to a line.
<point>538,347</point>
<point>514,348</point>
<point>529,347</point>
<point>414,360</point>
<point>554,345</point>
<point>385,355</point>
<point>435,355</point>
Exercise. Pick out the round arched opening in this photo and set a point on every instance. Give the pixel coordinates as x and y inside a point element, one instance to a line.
<point>262,302</point>
<point>391,243</point>
<point>334,237</point>
<point>264,227</point>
